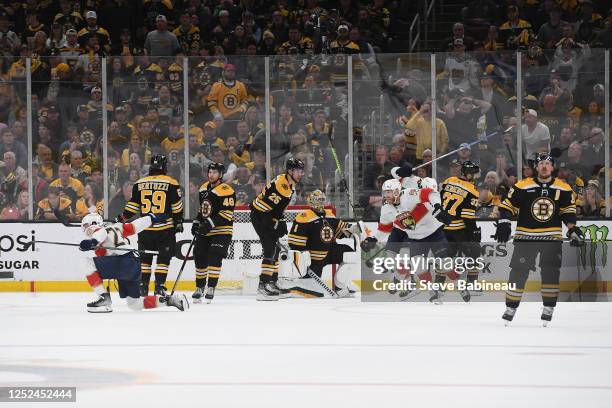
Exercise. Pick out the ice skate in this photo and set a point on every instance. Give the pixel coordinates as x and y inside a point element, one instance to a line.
<point>209,294</point>
<point>144,289</point>
<point>436,297</point>
<point>547,313</point>
<point>267,291</point>
<point>102,305</point>
<point>197,295</point>
<point>465,295</point>
<point>160,290</point>
<point>178,301</point>
<point>509,315</point>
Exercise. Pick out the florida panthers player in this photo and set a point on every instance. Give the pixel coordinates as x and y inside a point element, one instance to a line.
<point>124,266</point>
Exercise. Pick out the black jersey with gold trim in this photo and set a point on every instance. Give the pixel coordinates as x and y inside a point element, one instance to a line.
<point>217,204</point>
<point>275,196</point>
<point>315,233</point>
<point>541,208</point>
<point>460,200</point>
<point>159,194</point>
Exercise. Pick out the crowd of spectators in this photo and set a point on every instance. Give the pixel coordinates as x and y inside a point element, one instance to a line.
<point>563,99</point>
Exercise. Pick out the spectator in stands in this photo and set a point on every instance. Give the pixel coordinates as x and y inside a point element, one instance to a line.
<point>120,199</point>
<point>244,190</point>
<point>576,162</point>
<point>7,36</point>
<point>135,146</point>
<point>552,31</point>
<point>593,204</point>
<point>420,125</point>
<point>594,153</point>
<point>10,167</point>
<point>79,170</point>
<point>39,185</point>
<point>536,136</point>
<point>461,114</point>
<point>372,200</point>
<point>9,144</point>
<point>18,210</point>
<point>47,167</point>
<point>91,202</point>
<point>218,156</point>
<point>381,166</point>
<point>228,98</point>
<point>161,42</point>
<point>479,15</point>
<point>458,34</point>
<point>187,34</point>
<point>515,31</point>
<point>258,166</point>
<point>460,68</point>
<point>54,201</point>
<point>66,185</point>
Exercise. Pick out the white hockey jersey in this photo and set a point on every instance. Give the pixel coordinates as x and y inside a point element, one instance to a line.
<point>417,205</point>
<point>388,214</point>
<point>118,235</point>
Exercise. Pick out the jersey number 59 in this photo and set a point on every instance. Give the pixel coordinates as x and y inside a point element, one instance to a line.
<point>152,201</point>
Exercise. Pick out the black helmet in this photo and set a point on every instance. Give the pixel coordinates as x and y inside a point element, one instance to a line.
<point>220,167</point>
<point>159,164</point>
<point>543,157</point>
<point>294,163</point>
<point>469,167</point>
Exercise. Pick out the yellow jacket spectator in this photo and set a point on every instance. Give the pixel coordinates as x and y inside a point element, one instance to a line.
<point>67,185</point>
<point>53,201</point>
<point>228,98</point>
<point>420,125</point>
<point>135,146</point>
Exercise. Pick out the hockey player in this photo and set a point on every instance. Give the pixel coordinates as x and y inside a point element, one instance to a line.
<point>124,266</point>
<point>541,204</point>
<point>313,246</point>
<point>420,223</point>
<point>267,210</point>
<point>212,230</point>
<point>460,201</point>
<point>158,194</point>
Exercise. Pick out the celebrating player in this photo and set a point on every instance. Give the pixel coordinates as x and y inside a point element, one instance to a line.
<point>541,204</point>
<point>267,210</point>
<point>158,194</point>
<point>213,231</point>
<point>460,200</point>
<point>313,246</point>
<point>124,266</point>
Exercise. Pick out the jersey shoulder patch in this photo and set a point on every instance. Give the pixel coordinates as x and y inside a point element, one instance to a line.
<point>561,185</point>
<point>283,186</point>
<point>306,216</point>
<point>204,186</point>
<point>223,190</point>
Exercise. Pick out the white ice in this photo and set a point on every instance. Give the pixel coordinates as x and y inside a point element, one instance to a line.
<point>237,352</point>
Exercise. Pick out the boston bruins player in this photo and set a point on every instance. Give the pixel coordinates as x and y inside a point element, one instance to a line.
<point>156,193</point>
<point>213,231</point>
<point>460,201</point>
<point>267,211</point>
<point>541,204</point>
<point>313,243</point>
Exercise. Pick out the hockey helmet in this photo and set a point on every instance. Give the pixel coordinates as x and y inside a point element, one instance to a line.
<point>90,222</point>
<point>391,190</point>
<point>294,163</point>
<point>220,167</point>
<point>544,157</point>
<point>316,201</point>
<point>468,167</point>
<point>159,164</point>
<point>411,182</point>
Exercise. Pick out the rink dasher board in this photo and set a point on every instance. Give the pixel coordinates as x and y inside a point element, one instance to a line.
<point>43,267</point>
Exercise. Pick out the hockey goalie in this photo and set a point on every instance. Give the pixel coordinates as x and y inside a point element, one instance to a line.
<point>312,246</point>
<point>105,262</point>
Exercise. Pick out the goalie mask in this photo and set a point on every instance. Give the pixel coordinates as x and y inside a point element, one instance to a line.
<point>90,223</point>
<point>316,201</point>
<point>391,190</point>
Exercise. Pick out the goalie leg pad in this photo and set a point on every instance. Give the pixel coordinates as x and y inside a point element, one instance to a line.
<point>295,265</point>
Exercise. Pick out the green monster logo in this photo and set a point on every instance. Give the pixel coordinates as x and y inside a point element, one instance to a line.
<point>594,235</point>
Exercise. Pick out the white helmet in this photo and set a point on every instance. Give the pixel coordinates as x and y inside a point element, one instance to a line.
<point>428,182</point>
<point>90,222</point>
<point>395,187</point>
<point>392,184</point>
<point>411,182</point>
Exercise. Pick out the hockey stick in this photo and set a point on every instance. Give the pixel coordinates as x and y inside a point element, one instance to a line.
<point>178,277</point>
<point>61,217</point>
<point>486,138</point>
<point>309,272</point>
<point>142,251</point>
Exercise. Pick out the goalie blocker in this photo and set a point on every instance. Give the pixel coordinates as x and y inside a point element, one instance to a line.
<point>313,246</point>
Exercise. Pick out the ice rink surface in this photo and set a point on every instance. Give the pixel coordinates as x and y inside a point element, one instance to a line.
<point>238,352</point>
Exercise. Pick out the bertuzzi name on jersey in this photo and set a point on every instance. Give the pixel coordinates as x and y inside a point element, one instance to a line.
<point>153,186</point>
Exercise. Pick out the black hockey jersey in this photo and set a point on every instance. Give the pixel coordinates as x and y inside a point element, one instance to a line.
<point>315,233</point>
<point>217,203</point>
<point>158,195</point>
<point>275,197</point>
<point>460,200</point>
<point>541,208</point>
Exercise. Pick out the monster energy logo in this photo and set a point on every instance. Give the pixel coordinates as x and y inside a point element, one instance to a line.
<point>594,236</point>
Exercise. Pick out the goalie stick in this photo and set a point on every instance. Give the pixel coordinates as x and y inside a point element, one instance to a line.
<point>309,272</point>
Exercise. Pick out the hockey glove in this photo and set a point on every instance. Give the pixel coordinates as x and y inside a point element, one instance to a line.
<point>280,229</point>
<point>88,244</point>
<point>195,227</point>
<point>206,226</point>
<point>156,217</point>
<point>441,215</point>
<point>368,244</point>
<point>503,231</point>
<point>178,226</point>
<point>576,236</point>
